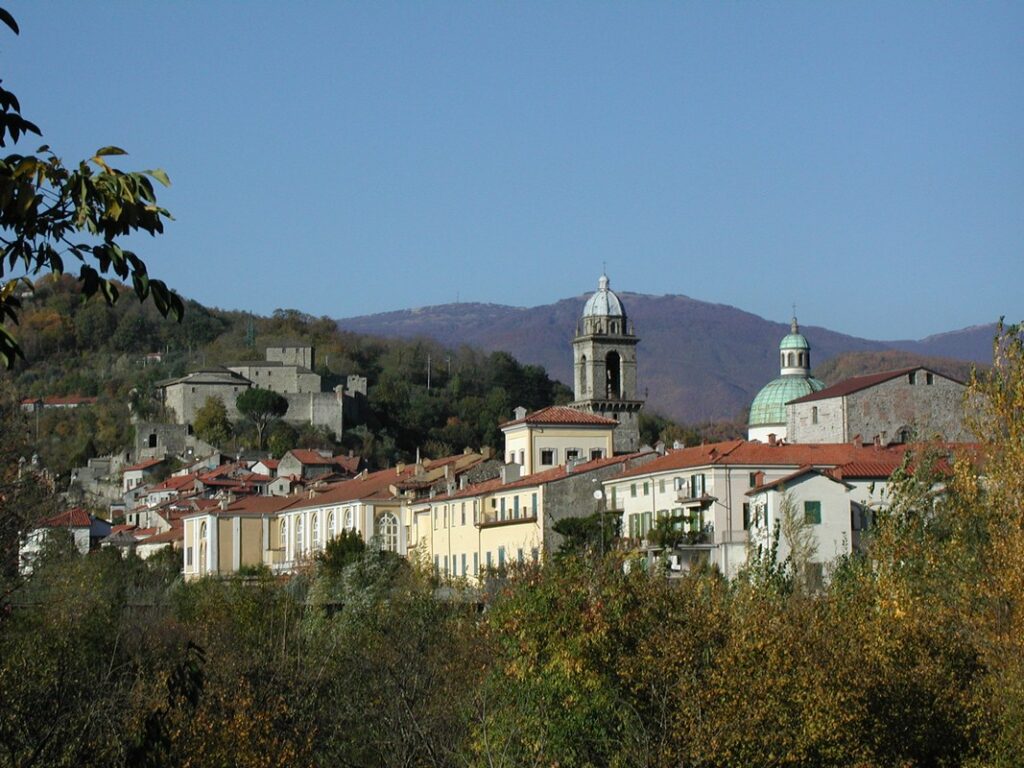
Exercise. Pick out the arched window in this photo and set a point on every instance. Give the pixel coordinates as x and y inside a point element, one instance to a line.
<point>387,532</point>
<point>315,526</point>
<point>332,521</point>
<point>789,359</point>
<point>202,547</point>
<point>298,537</point>
<point>613,375</point>
<point>583,374</point>
<point>349,522</point>
<point>284,536</point>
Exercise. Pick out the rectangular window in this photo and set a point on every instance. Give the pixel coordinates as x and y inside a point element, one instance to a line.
<point>188,556</point>
<point>437,565</point>
<point>501,557</point>
<point>614,500</point>
<point>912,377</point>
<point>436,513</point>
<point>661,485</point>
<point>746,517</point>
<point>571,454</point>
<point>680,482</point>
<point>476,563</point>
<point>515,507</point>
<point>489,560</point>
<point>501,511</point>
<point>520,554</point>
<point>596,453</point>
<point>444,516</point>
<point>533,504</point>
<point>647,488</point>
<point>475,513</point>
<point>929,379</point>
<point>812,512</point>
<point>814,414</point>
<point>463,564</point>
<point>463,513</point>
<point>632,490</point>
<point>511,457</point>
<point>445,560</point>
<point>535,554</point>
<point>547,457</point>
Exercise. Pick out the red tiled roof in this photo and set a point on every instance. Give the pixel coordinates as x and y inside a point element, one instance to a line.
<point>368,486</point>
<point>865,470</point>
<point>76,517</point>
<point>143,465</point>
<point>791,477</point>
<point>122,528</point>
<point>260,505</point>
<point>857,383</point>
<point>756,454</point>
<point>539,478</point>
<point>306,456</point>
<point>175,483</point>
<point>175,533</point>
<point>562,414</point>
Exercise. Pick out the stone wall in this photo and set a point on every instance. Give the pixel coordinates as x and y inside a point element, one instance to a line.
<point>154,441</point>
<point>888,411</point>
<point>573,496</point>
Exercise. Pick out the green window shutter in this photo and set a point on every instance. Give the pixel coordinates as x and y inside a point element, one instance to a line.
<point>812,512</point>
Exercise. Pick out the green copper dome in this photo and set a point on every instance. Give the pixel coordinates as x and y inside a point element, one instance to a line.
<point>794,339</point>
<point>769,406</point>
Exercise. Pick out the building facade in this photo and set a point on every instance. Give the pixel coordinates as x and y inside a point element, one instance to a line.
<point>894,406</point>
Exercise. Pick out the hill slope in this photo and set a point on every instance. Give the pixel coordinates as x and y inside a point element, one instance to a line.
<point>698,361</point>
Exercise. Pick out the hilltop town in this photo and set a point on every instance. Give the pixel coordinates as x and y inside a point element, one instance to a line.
<point>828,451</point>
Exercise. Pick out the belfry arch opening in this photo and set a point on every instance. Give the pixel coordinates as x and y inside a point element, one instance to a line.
<point>613,374</point>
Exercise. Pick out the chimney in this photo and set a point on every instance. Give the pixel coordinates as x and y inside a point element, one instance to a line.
<point>570,466</point>
<point>519,413</point>
<point>509,473</point>
<point>399,467</point>
<point>462,482</point>
<point>676,445</point>
<point>877,441</point>
<point>659,448</point>
<point>759,478</point>
<point>857,440</point>
<point>771,439</point>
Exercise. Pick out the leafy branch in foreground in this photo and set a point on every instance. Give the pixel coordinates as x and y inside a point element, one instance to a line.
<point>49,211</point>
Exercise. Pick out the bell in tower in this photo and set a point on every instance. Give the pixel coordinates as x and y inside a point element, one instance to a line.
<point>604,363</point>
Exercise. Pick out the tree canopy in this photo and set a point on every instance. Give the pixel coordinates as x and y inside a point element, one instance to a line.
<point>50,212</point>
<point>261,407</point>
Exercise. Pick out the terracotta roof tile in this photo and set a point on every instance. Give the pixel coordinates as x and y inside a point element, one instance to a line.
<point>756,454</point>
<point>562,414</point>
<point>539,478</point>
<point>143,465</point>
<point>76,517</point>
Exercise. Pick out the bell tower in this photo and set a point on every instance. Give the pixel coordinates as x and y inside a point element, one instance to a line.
<point>604,366</point>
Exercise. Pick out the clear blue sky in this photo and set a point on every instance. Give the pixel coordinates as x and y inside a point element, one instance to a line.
<point>864,160</point>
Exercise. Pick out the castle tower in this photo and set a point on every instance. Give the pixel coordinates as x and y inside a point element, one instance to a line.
<point>604,366</point>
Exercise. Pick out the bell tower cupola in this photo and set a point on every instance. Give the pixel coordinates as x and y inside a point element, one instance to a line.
<point>604,365</point>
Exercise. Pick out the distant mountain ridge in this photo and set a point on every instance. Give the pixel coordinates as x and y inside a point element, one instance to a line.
<point>697,361</point>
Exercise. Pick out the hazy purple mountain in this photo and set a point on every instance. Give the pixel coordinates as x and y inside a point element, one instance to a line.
<point>698,361</point>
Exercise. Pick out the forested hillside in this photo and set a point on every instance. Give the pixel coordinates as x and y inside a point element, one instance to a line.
<point>910,655</point>
<point>84,347</point>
